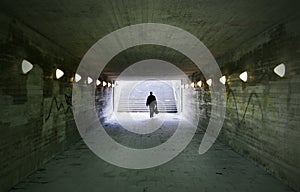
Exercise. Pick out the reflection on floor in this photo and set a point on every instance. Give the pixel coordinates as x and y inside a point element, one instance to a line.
<point>220,169</point>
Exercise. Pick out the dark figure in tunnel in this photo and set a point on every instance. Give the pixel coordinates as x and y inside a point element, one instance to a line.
<point>151,102</point>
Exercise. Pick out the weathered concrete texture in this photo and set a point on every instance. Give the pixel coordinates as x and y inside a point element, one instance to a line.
<point>262,115</point>
<point>262,121</point>
<point>219,170</point>
<point>222,25</point>
<point>36,120</point>
<point>104,102</point>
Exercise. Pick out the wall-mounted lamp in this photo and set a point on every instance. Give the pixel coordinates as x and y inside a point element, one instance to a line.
<point>199,83</point>
<point>77,77</point>
<point>223,79</point>
<point>108,84</point>
<point>104,83</point>
<point>59,73</point>
<point>209,82</point>
<point>193,84</point>
<point>280,70</point>
<point>98,82</point>
<point>244,76</point>
<point>26,66</point>
<point>89,80</point>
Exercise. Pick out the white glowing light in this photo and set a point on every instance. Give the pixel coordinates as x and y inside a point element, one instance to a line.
<point>98,82</point>
<point>104,83</point>
<point>108,84</point>
<point>113,85</point>
<point>77,77</point>
<point>244,76</point>
<point>193,84</point>
<point>199,83</point>
<point>59,73</point>
<point>280,70</point>
<point>223,80</point>
<point>26,66</point>
<point>89,80</point>
<point>209,82</point>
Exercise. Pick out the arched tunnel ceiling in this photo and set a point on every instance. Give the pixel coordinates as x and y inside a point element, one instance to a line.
<point>138,53</point>
<point>222,25</point>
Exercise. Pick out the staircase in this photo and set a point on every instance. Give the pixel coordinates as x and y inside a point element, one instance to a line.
<point>135,101</point>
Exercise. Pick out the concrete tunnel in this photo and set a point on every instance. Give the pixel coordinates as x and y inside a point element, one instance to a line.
<point>75,76</point>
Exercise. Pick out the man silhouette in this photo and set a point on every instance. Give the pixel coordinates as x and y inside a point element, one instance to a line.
<point>151,102</point>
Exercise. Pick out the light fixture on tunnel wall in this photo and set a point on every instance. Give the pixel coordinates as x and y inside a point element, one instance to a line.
<point>199,83</point>
<point>77,77</point>
<point>280,70</point>
<point>244,76</point>
<point>26,66</point>
<point>186,86</point>
<point>59,73</point>
<point>209,82</point>
<point>104,83</point>
<point>223,79</point>
<point>193,85</point>
<point>89,80</point>
<point>98,82</point>
<point>108,84</point>
<point>113,85</point>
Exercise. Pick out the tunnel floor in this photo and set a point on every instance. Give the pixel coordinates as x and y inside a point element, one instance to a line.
<point>220,169</point>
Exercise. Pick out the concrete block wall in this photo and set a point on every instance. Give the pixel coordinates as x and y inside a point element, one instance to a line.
<point>262,115</point>
<point>36,119</point>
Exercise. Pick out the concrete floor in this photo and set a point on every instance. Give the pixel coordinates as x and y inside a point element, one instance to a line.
<point>220,169</point>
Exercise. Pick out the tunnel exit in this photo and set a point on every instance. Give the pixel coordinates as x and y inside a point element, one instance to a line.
<point>130,96</point>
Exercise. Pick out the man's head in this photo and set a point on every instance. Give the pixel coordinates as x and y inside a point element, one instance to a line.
<point>150,92</point>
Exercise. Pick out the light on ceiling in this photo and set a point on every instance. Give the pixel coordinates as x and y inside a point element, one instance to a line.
<point>199,83</point>
<point>77,77</point>
<point>59,73</point>
<point>223,80</point>
<point>98,82</point>
<point>209,82</point>
<point>89,80</point>
<point>26,66</point>
<point>244,76</point>
<point>104,83</point>
<point>280,70</point>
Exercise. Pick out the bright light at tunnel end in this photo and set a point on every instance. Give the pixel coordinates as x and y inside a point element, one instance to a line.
<point>98,56</point>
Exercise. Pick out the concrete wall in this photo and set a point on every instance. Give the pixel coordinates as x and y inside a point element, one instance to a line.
<point>262,118</point>
<point>36,119</point>
<point>104,102</point>
<point>189,102</point>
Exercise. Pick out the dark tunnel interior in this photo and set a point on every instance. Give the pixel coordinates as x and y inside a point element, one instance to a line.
<point>76,75</point>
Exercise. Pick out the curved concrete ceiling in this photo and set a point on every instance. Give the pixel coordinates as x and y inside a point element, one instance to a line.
<point>222,25</point>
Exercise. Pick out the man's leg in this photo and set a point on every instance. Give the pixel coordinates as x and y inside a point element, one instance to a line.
<point>151,111</point>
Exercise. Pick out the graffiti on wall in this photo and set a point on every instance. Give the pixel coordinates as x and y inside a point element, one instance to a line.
<point>250,100</point>
<point>59,106</point>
